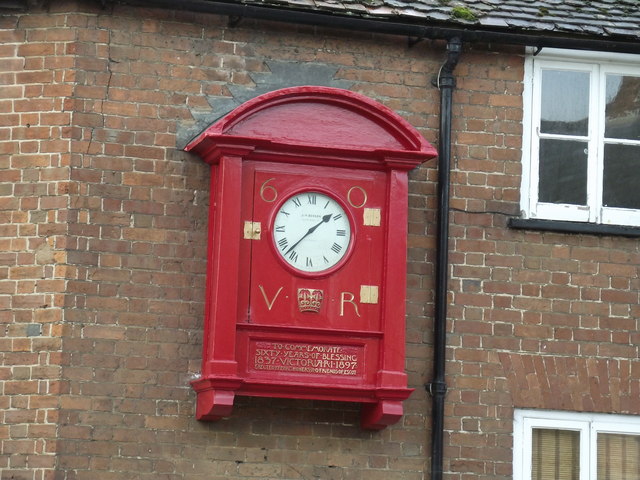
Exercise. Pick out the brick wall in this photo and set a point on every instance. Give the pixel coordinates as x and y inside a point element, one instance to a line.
<point>103,228</point>
<point>36,80</point>
<point>537,320</point>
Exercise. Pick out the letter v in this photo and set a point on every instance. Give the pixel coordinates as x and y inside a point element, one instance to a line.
<point>266,300</point>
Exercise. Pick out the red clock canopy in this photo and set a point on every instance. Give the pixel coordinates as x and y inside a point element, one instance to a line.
<point>274,329</point>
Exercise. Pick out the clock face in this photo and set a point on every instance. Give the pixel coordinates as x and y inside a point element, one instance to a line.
<point>311,232</point>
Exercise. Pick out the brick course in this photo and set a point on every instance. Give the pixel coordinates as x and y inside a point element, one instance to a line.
<point>103,232</point>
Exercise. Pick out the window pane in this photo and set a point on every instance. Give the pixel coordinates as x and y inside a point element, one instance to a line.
<point>618,456</point>
<point>565,102</point>
<point>621,176</point>
<point>556,454</point>
<point>563,172</point>
<point>623,107</point>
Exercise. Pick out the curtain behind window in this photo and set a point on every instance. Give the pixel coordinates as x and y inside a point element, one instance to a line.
<point>618,456</point>
<point>556,455</point>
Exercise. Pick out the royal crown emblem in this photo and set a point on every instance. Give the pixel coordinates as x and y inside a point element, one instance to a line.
<point>310,299</point>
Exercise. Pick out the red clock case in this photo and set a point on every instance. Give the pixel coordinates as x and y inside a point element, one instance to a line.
<point>271,330</point>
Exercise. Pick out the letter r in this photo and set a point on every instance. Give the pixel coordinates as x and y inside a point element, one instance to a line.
<point>348,297</point>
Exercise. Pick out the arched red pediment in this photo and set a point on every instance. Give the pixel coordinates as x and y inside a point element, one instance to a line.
<point>315,118</point>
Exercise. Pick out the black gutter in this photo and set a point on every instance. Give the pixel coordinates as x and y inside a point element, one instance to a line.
<point>446,82</point>
<point>466,33</point>
<point>13,5</point>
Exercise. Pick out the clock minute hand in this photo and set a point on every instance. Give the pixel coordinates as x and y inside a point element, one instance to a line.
<point>325,219</point>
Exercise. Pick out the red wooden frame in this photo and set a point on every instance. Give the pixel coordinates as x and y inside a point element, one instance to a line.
<point>307,138</point>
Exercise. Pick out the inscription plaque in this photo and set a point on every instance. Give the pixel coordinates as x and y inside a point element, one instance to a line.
<point>308,358</point>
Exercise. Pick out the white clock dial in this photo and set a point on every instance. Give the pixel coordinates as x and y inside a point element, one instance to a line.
<point>311,232</point>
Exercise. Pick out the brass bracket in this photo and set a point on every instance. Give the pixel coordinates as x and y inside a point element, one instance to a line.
<point>369,294</point>
<point>252,230</point>
<point>371,217</point>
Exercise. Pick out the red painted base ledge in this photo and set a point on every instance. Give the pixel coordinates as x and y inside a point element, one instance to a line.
<point>216,397</point>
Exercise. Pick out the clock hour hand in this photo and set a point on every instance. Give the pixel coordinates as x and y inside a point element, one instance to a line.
<point>325,219</point>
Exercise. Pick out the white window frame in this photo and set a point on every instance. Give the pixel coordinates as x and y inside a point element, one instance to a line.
<point>588,424</point>
<point>598,65</point>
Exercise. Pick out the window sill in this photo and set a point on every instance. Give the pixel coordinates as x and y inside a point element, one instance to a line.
<point>573,227</point>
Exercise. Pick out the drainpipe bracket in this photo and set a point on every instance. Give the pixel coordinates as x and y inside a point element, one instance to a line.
<point>234,20</point>
<point>436,389</point>
<point>443,81</point>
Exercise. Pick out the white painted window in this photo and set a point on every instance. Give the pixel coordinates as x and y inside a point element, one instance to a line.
<point>581,149</point>
<point>552,445</point>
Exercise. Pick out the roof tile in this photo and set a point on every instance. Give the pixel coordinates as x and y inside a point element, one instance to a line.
<point>604,19</point>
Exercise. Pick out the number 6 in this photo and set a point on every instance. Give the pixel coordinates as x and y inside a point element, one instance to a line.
<point>268,188</point>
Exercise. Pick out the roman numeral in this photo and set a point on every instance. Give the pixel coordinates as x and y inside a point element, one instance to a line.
<point>296,201</point>
<point>312,199</point>
<point>341,233</point>
<point>309,262</point>
<point>280,228</point>
<point>336,248</point>
<point>293,256</point>
<point>282,243</point>
<point>338,216</point>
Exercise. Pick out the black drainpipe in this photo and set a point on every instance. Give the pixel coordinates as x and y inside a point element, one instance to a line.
<point>446,82</point>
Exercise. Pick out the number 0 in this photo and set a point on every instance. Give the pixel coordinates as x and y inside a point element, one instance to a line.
<point>363,193</point>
